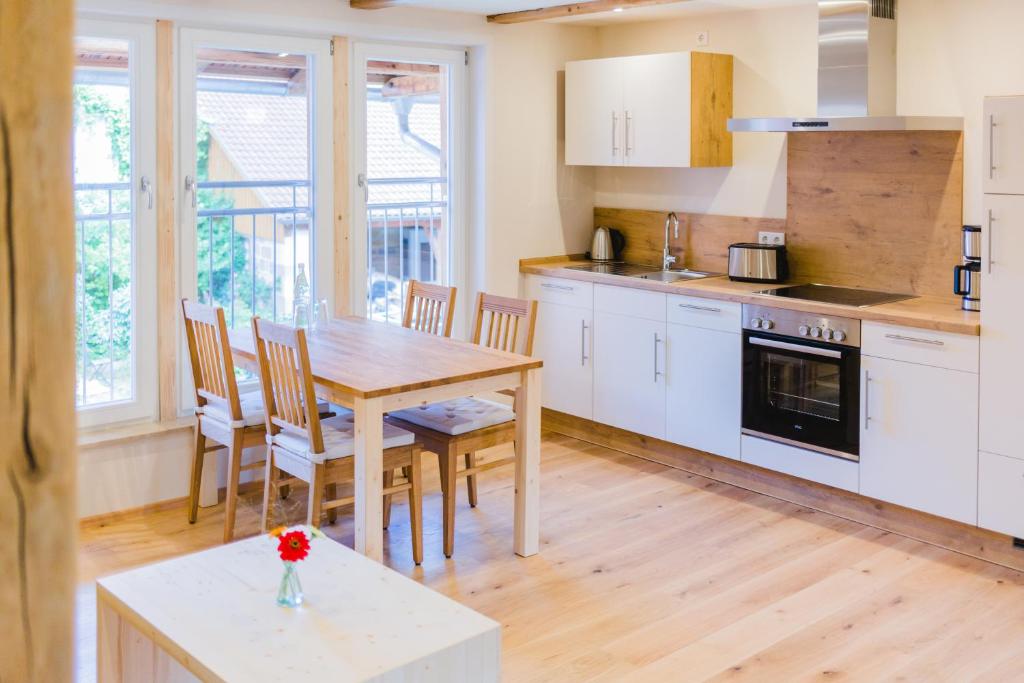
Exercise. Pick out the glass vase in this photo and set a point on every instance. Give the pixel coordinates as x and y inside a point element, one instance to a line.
<point>290,592</point>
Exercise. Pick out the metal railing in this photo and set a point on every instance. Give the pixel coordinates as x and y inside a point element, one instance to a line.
<point>104,325</point>
<point>407,234</point>
<point>237,275</point>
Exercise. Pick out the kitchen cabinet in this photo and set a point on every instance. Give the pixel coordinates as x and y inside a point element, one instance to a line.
<point>662,110</point>
<point>1004,145</point>
<point>919,434</point>
<point>704,359</point>
<point>629,358</point>
<point>563,341</point>
<point>1002,327</point>
<point>1001,494</point>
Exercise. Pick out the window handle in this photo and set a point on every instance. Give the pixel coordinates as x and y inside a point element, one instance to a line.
<point>190,187</point>
<point>361,181</point>
<point>146,186</point>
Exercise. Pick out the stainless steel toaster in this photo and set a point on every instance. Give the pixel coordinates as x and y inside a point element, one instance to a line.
<point>752,262</point>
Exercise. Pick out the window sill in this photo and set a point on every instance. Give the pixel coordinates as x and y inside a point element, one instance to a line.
<point>107,436</point>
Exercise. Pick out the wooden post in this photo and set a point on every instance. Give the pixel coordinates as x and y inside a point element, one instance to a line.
<point>342,208</point>
<point>168,306</point>
<point>37,336</point>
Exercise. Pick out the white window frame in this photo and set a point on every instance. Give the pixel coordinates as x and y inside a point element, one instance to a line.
<point>141,37</point>
<point>322,143</point>
<point>458,229</point>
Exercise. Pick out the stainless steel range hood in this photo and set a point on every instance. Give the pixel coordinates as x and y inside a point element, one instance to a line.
<point>856,75</point>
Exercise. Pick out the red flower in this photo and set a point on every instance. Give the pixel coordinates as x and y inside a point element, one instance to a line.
<point>294,546</point>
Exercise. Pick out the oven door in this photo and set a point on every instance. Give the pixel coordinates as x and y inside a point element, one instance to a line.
<point>802,392</point>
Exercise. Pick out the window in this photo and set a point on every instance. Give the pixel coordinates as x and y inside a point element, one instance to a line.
<point>114,152</point>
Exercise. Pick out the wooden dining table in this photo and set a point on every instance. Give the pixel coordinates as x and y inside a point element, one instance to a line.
<point>373,368</point>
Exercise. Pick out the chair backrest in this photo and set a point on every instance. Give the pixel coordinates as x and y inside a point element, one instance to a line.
<point>213,370</point>
<point>504,323</point>
<point>429,308</point>
<point>286,381</point>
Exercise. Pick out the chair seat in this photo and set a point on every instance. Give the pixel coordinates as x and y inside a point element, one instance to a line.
<point>339,438</point>
<point>252,410</point>
<point>458,416</point>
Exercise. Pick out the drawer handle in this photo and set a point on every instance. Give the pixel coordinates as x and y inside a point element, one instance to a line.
<point>694,307</point>
<point>563,288</point>
<point>917,340</point>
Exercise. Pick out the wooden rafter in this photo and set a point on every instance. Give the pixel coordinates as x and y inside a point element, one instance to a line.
<point>574,9</point>
<point>379,4</point>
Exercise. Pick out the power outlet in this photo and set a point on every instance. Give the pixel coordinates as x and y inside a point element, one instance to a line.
<point>776,238</point>
<point>703,38</point>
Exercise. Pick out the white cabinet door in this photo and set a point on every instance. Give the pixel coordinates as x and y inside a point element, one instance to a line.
<point>629,378</point>
<point>1004,145</point>
<point>1002,325</point>
<point>919,445</point>
<point>703,388</point>
<point>594,126</point>
<point>1001,494</point>
<point>657,110</point>
<point>563,341</point>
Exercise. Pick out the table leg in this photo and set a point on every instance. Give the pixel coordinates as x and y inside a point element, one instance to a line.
<point>369,473</point>
<point>527,511</point>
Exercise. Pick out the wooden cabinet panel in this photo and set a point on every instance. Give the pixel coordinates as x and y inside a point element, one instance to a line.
<point>594,126</point>
<point>703,389</point>
<point>1004,145</point>
<point>919,444</point>
<point>1001,494</point>
<point>1002,325</point>
<point>563,341</point>
<point>629,382</point>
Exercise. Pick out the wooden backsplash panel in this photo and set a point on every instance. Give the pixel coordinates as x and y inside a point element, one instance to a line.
<point>880,210</point>
<point>703,242</point>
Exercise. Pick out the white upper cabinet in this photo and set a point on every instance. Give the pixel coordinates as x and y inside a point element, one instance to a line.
<point>1004,146</point>
<point>662,110</point>
<point>1002,324</point>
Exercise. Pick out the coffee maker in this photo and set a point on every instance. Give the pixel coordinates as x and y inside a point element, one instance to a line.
<point>967,276</point>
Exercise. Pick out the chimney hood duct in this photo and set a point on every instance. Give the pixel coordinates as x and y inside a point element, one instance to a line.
<point>856,75</point>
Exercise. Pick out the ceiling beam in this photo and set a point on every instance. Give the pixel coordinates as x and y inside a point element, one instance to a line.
<point>379,4</point>
<point>571,10</point>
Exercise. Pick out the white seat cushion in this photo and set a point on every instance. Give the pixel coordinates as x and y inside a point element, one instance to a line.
<point>339,438</point>
<point>458,416</point>
<point>251,403</point>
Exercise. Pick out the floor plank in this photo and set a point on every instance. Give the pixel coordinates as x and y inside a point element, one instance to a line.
<point>647,573</point>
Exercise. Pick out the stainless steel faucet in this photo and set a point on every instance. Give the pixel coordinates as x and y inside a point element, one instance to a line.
<point>666,258</point>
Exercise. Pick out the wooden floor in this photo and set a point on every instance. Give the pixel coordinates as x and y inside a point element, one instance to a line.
<point>647,573</point>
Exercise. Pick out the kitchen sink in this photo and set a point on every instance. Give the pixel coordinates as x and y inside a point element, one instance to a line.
<point>675,275</point>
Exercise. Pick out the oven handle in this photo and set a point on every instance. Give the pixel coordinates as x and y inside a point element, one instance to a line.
<point>800,348</point>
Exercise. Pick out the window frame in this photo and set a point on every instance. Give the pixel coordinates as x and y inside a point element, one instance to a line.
<point>141,38</point>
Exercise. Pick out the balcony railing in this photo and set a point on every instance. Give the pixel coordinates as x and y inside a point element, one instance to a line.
<point>247,257</point>
<point>407,228</point>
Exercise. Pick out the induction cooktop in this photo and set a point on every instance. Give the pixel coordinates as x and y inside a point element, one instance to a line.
<point>845,296</point>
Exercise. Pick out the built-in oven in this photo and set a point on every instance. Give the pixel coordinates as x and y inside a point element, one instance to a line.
<point>801,380</point>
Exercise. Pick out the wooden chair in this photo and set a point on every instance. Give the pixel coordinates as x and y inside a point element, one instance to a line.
<point>229,419</point>
<point>429,308</point>
<point>320,452</point>
<point>466,425</point>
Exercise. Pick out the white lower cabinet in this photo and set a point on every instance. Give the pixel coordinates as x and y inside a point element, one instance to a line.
<point>1001,494</point>
<point>703,383</point>
<point>563,341</point>
<point>919,437</point>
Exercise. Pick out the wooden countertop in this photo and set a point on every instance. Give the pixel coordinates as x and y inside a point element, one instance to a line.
<point>925,312</point>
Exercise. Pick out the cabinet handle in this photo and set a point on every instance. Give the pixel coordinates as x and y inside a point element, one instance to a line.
<point>867,400</point>
<point>583,343</point>
<point>709,309</point>
<point>561,288</point>
<point>629,120</point>
<point>917,340</point>
<point>991,146</point>
<point>615,133</point>
<point>991,219</point>
<point>657,373</point>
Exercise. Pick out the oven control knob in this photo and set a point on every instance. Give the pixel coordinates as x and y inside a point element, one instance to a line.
<point>755,323</point>
<point>803,330</point>
<point>815,332</point>
<point>767,324</point>
<point>839,335</point>
<point>827,334</point>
